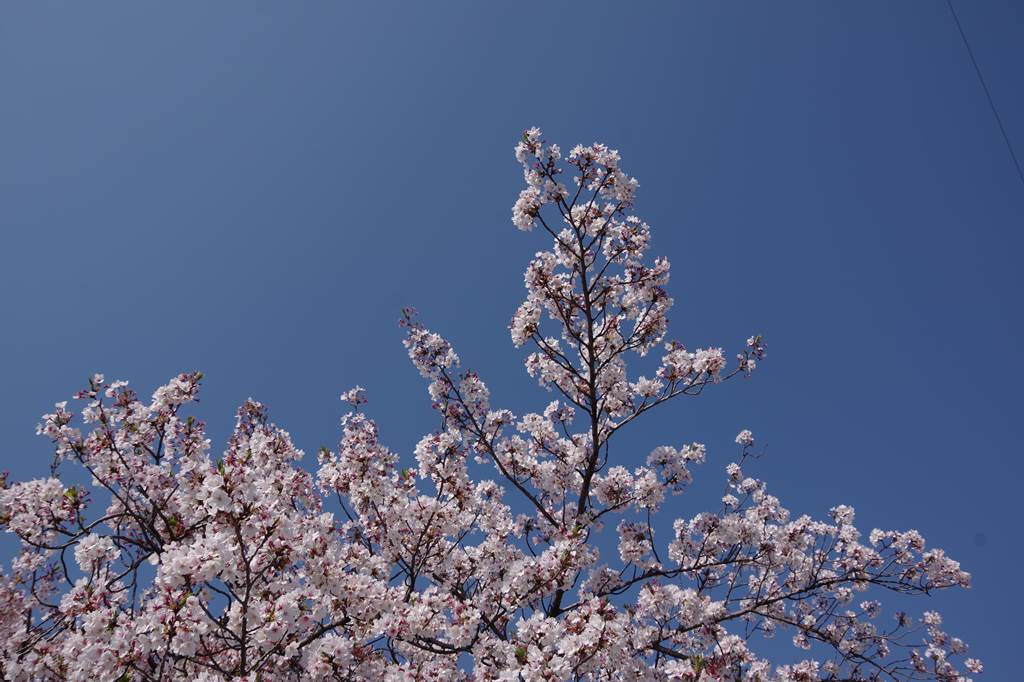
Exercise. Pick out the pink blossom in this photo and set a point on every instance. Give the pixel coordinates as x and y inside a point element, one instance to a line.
<point>369,564</point>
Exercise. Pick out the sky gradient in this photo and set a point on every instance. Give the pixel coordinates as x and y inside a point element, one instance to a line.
<point>255,190</point>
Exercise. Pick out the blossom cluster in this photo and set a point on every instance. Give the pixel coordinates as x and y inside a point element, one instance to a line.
<point>178,563</point>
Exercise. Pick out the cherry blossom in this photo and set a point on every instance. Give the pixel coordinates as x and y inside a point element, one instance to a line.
<point>254,562</point>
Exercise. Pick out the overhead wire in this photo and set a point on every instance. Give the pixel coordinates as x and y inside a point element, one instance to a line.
<point>988,93</point>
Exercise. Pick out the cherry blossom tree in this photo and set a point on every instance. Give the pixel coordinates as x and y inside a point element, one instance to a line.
<point>178,564</point>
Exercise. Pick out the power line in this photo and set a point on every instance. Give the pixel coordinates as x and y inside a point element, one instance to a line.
<point>984,86</point>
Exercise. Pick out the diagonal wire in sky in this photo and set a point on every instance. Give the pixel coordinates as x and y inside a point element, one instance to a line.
<point>988,94</point>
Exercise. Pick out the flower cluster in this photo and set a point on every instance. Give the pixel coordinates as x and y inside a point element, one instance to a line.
<point>177,563</point>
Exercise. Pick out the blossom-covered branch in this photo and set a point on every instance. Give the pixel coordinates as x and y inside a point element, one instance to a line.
<point>176,564</point>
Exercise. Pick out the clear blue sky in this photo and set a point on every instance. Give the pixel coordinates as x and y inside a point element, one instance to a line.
<point>255,190</point>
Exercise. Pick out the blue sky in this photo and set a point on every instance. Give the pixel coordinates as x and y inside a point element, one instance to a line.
<point>255,190</point>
